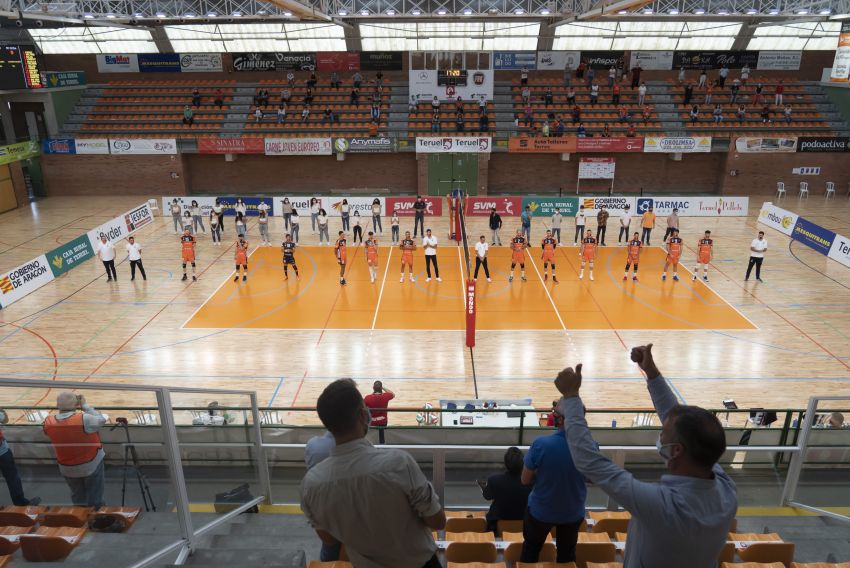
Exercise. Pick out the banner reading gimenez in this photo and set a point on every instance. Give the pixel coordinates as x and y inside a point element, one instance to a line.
<point>452,144</point>
<point>24,279</point>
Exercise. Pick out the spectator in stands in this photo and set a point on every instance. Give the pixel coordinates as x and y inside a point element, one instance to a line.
<point>612,76</point>
<point>642,94</point>
<point>528,117</point>
<point>733,90</point>
<point>757,96</point>
<point>630,131</point>
<point>709,92</point>
<point>328,116</point>
<point>317,450</point>
<point>526,95</point>
<point>787,113</point>
<point>188,115</point>
<point>285,96</point>
<point>258,114</point>
<point>495,224</point>
<point>435,122</point>
<point>741,113</point>
<point>290,79</point>
<point>684,519</point>
<point>718,114</point>
<point>508,494</point>
<point>601,225</point>
<point>571,96</point>
<point>647,223</point>
<point>703,76</point>
<point>357,79</point>
<point>523,76</point>
<point>435,104</point>
<point>581,131</point>
<point>459,122</point>
<point>778,92</point>
<point>694,114</point>
<point>548,98</point>
<point>606,133</point>
<point>836,420</point>
<point>196,97</point>
<point>765,115</point>
<point>689,93</point>
<point>375,112</point>
<point>281,114</point>
<point>615,94</point>
<point>560,128</point>
<point>724,72</point>
<point>379,79</point>
<point>377,403</point>
<point>311,82</point>
<point>646,111</point>
<point>482,104</point>
<point>594,94</point>
<point>9,470</point>
<point>484,123</point>
<point>219,99</point>
<point>580,70</point>
<point>308,96</point>
<point>622,114</point>
<point>335,83</point>
<point>525,221</point>
<point>672,224</point>
<point>78,448</point>
<point>355,96</point>
<point>544,129</point>
<point>305,113</point>
<point>376,97</point>
<point>373,129</point>
<point>681,77</point>
<point>568,72</point>
<point>557,498</point>
<point>412,104</point>
<point>591,75</point>
<point>636,71</point>
<point>745,74</point>
<point>378,503</point>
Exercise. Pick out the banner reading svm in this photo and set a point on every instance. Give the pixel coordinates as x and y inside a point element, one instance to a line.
<point>545,206</point>
<point>68,256</point>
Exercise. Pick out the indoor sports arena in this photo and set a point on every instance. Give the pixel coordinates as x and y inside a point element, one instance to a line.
<point>329,284</point>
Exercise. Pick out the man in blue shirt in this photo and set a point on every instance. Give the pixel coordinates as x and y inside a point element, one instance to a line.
<point>557,499</point>
<point>526,223</point>
<point>682,520</point>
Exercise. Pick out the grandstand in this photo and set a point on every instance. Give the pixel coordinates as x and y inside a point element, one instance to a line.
<point>120,119</point>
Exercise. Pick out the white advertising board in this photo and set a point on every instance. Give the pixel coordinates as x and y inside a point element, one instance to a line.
<point>453,144</point>
<point>24,279</point>
<point>652,60</point>
<point>777,218</point>
<point>137,146</point>
<point>558,60</point>
<point>117,63</point>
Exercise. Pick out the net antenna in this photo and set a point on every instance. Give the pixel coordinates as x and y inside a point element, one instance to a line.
<point>460,204</point>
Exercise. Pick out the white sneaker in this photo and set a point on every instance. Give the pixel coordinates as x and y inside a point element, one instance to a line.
<point>581,276</point>
<point>591,276</point>
<point>488,280</point>
<point>428,279</point>
<point>401,279</point>
<point>412,279</point>
<point>439,279</point>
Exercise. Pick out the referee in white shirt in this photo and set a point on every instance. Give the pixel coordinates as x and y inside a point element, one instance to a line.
<point>481,248</point>
<point>429,243</point>
<point>106,254</point>
<point>134,255</point>
<point>757,248</point>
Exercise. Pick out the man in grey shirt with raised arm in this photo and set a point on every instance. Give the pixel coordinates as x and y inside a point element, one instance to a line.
<point>683,519</point>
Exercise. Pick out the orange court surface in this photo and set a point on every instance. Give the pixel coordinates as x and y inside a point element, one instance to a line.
<point>317,301</point>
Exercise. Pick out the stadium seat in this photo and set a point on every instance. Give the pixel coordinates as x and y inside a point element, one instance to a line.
<point>546,565</point>
<point>593,537</point>
<point>513,552</point>
<point>471,552</point>
<point>51,544</point>
<point>334,564</point>
<point>508,526</point>
<point>830,189</point>
<point>518,537</point>
<point>820,565</point>
<point>470,537</point>
<point>65,516</point>
<point>804,189</point>
<point>753,565</point>
<point>9,536</point>
<point>595,552</point>
<point>780,189</point>
<point>727,554</point>
<point>465,524</point>
<point>604,565</point>
<point>476,565</point>
<point>768,552</point>
<point>611,526</point>
<point>14,516</point>
<point>126,515</point>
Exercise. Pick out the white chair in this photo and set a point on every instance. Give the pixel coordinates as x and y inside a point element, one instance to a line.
<point>270,417</point>
<point>153,204</point>
<point>780,189</point>
<point>34,416</point>
<point>830,189</point>
<point>144,418</point>
<point>643,419</point>
<point>804,189</point>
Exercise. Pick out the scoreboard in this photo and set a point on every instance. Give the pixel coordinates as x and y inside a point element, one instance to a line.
<point>19,68</point>
<point>453,77</point>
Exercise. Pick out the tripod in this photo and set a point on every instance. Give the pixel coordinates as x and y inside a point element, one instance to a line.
<point>130,453</point>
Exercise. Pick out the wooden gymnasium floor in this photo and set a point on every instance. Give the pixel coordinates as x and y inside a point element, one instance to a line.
<point>770,344</point>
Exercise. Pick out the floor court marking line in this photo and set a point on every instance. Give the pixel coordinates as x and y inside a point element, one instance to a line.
<point>274,394</point>
<point>602,311</point>
<point>240,285</point>
<point>381,291</point>
<point>548,295</point>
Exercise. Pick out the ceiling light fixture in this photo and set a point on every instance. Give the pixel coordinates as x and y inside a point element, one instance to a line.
<point>623,12</point>
<point>390,12</point>
<point>237,14</point>
<point>416,12</point>
<point>752,11</point>
<point>699,11</point>
<point>211,14</point>
<point>723,12</point>
<point>111,16</point>
<point>364,12</point>
<point>802,12</point>
<point>519,11</point>
<point>88,16</point>
<point>441,12</point>
<point>545,12</point>
<point>287,14</point>
<point>343,12</point>
<point>674,12</point>
<point>467,12</point>
<point>825,12</point>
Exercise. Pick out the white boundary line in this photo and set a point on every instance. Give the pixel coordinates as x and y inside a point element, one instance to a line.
<point>542,283</point>
<point>462,280</point>
<point>381,293</point>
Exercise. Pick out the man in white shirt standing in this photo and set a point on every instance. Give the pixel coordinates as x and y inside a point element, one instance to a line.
<point>625,221</point>
<point>106,254</point>
<point>757,248</point>
<point>134,255</point>
<point>481,248</point>
<point>580,221</point>
<point>429,243</point>
<point>556,224</point>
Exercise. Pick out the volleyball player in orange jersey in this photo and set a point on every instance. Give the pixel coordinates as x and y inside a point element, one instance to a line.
<point>587,251</point>
<point>518,246</point>
<point>188,242</point>
<point>633,256</point>
<point>371,245</point>
<point>705,250</point>
<point>341,256</point>
<point>549,243</point>
<point>407,246</point>
<point>674,252</point>
<point>241,258</point>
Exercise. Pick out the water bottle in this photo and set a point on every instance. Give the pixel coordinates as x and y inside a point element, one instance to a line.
<point>614,423</point>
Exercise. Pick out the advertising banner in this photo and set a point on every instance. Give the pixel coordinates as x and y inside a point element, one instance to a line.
<point>777,218</point>
<point>702,206</point>
<point>54,79</point>
<point>823,144</point>
<point>24,279</point>
<point>813,236</point>
<point>685,145</point>
<point>596,168</point>
<point>344,61</point>
<point>545,206</point>
<point>298,147</point>
<point>652,60</point>
<point>470,313</point>
<point>558,60</point>
<point>840,250</point>
<point>231,146</point>
<point>159,62</point>
<point>504,60</point>
<point>404,206</point>
<point>91,146</point>
<point>613,144</point>
<point>715,59</point>
<point>122,226</point>
<point>278,61</point>
<point>356,203</point>
<point>363,145</point>
<point>614,205</point>
<point>841,64</point>
<point>142,146</point>
<point>449,144</point>
<point>227,202</point>
<point>201,63</point>
<point>19,151</point>
<point>300,203</point>
<point>601,59</point>
<point>538,145</point>
<point>765,145</point>
<point>423,84</point>
<point>70,255</point>
<point>779,60</point>
<point>505,206</point>
<point>58,146</point>
<point>116,63</point>
<point>381,61</point>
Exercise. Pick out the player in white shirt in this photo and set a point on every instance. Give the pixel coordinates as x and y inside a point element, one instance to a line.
<point>429,243</point>
<point>481,248</point>
<point>134,255</point>
<point>106,254</point>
